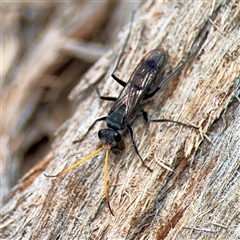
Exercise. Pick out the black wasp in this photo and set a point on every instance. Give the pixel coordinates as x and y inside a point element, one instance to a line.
<point>144,83</point>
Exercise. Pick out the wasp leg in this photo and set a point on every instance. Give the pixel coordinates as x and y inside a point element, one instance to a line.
<point>121,82</point>
<point>113,99</point>
<point>145,116</point>
<point>91,127</point>
<point>136,149</point>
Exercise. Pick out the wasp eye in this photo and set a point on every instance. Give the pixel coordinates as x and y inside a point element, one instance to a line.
<point>117,136</point>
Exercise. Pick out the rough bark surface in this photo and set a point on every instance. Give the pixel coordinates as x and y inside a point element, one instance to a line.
<point>193,191</point>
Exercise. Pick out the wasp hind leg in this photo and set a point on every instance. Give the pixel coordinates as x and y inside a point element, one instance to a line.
<point>145,116</point>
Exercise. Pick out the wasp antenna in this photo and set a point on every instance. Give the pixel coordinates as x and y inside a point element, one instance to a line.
<point>110,208</point>
<point>76,164</point>
<point>105,178</point>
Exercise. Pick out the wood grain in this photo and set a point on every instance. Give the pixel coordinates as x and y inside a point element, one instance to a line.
<point>199,198</point>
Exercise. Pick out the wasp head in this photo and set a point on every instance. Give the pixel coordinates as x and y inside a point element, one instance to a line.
<point>110,136</point>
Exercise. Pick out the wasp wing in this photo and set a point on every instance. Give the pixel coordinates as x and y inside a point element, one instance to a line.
<point>142,82</point>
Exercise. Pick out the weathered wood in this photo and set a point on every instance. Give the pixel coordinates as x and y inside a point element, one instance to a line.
<point>199,199</point>
<point>39,72</point>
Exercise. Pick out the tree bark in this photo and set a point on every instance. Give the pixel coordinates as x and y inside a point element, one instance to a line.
<point>193,191</point>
